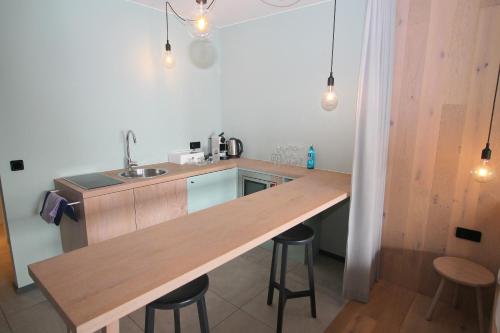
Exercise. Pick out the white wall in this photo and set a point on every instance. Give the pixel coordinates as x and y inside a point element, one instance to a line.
<point>274,71</point>
<point>74,75</point>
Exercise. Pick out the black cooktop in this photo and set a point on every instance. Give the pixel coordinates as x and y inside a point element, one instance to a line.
<point>93,180</point>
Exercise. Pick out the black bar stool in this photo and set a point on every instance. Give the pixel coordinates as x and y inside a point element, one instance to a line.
<point>186,295</point>
<point>298,235</point>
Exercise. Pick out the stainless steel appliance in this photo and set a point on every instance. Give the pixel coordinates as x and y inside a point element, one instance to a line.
<point>234,148</point>
<point>213,148</point>
<point>251,181</point>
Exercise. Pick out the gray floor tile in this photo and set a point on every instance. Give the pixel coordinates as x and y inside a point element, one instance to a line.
<point>239,280</point>
<point>263,257</point>
<point>127,325</point>
<point>297,317</point>
<point>10,302</point>
<point>328,274</point>
<point>241,322</point>
<point>40,318</point>
<point>217,309</point>
<point>4,327</point>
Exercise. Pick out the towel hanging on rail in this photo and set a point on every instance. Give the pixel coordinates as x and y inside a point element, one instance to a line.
<point>54,206</point>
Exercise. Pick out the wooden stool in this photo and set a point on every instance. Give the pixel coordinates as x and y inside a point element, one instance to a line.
<point>298,235</point>
<point>461,272</point>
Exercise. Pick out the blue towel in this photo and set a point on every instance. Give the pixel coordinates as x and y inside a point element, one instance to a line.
<point>54,206</point>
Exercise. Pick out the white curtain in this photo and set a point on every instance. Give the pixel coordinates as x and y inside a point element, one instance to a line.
<point>370,150</point>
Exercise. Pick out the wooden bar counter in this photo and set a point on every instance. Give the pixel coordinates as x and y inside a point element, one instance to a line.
<point>93,287</point>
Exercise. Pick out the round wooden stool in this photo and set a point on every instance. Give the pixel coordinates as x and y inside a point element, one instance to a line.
<point>461,272</point>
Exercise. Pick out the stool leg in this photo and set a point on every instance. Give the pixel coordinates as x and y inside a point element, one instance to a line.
<point>282,296</point>
<point>435,300</point>
<point>479,300</point>
<point>455,296</point>
<point>202,314</point>
<point>309,252</point>
<point>177,321</point>
<point>149,323</point>
<point>272,278</point>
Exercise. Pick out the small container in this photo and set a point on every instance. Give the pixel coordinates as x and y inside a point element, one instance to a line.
<point>311,157</point>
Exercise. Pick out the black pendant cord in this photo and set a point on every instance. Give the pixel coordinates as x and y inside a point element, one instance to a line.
<point>184,19</point>
<point>166,17</point>
<point>494,102</point>
<point>333,35</point>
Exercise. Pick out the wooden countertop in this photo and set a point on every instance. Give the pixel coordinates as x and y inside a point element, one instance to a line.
<point>176,171</point>
<point>95,286</point>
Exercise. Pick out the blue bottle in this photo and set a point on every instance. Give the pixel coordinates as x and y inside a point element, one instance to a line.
<point>311,156</point>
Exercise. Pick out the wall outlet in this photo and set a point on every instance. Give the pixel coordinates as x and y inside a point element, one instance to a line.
<point>17,165</point>
<point>469,234</point>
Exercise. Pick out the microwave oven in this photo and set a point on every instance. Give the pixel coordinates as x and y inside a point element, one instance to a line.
<point>251,181</point>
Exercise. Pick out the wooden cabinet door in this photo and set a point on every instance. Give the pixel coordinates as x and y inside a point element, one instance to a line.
<point>108,216</point>
<point>159,203</point>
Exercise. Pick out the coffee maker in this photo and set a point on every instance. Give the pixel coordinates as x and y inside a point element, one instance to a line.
<point>223,147</point>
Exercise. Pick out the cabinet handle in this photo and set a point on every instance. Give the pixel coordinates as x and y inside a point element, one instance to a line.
<point>192,182</point>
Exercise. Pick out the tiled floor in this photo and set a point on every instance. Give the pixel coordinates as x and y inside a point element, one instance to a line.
<point>236,300</point>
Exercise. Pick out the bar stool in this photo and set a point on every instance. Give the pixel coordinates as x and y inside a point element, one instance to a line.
<point>186,295</point>
<point>461,272</point>
<point>298,235</point>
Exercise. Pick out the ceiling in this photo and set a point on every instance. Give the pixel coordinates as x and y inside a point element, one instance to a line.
<point>229,12</point>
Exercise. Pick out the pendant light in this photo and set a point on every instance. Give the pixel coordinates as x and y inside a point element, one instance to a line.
<point>484,172</point>
<point>329,101</point>
<point>169,57</point>
<point>201,24</point>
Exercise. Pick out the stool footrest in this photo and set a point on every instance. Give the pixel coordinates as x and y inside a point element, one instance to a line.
<point>293,294</point>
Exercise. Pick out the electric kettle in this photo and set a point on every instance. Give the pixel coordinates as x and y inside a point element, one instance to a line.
<point>234,148</point>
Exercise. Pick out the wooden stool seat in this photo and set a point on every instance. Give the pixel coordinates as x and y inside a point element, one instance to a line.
<point>462,272</point>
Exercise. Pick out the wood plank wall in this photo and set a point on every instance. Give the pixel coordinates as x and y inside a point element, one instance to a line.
<point>446,62</point>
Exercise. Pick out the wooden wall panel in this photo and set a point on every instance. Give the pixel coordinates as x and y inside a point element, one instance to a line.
<point>446,61</point>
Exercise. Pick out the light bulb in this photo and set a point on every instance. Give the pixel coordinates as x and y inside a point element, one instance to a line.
<point>201,25</point>
<point>329,101</point>
<point>169,57</point>
<point>483,172</point>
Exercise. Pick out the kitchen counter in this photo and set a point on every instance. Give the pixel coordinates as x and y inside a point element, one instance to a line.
<point>176,171</point>
<point>93,287</point>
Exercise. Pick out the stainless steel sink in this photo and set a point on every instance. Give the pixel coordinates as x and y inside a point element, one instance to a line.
<point>143,173</point>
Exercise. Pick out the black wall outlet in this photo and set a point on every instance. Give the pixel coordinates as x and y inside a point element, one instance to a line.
<point>195,145</point>
<point>17,165</point>
<point>472,235</point>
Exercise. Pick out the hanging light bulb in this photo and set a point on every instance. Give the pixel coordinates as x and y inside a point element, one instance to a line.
<point>330,100</point>
<point>201,24</point>
<point>168,57</point>
<point>484,172</point>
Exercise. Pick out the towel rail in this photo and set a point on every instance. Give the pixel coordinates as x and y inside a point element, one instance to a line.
<point>69,203</point>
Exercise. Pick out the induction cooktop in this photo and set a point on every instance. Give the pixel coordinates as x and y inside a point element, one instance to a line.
<point>93,180</point>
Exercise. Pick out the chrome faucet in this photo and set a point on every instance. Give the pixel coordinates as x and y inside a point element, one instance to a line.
<point>130,163</point>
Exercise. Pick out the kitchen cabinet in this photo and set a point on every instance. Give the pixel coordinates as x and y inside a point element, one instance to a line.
<point>160,202</point>
<point>212,189</point>
<point>109,216</point>
<point>117,213</point>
